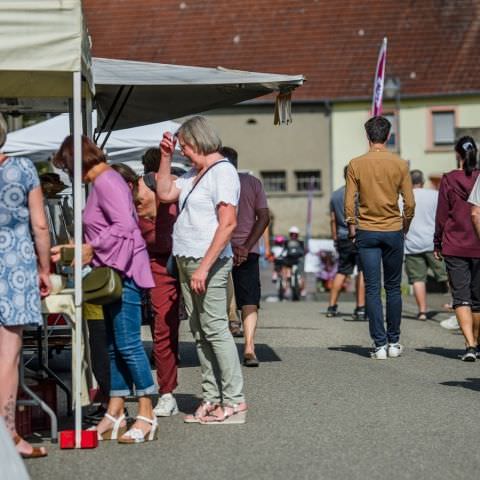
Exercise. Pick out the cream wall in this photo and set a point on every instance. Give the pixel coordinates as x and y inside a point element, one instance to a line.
<point>303,145</point>
<point>348,137</point>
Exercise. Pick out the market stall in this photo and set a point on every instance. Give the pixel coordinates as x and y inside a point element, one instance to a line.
<point>45,67</point>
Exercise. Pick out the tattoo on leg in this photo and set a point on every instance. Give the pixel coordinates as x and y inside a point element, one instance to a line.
<point>9,414</point>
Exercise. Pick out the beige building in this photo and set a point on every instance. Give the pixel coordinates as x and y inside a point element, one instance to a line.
<point>288,159</point>
<point>425,138</point>
<point>432,55</point>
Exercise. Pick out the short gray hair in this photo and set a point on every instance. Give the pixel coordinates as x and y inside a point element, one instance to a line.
<point>198,133</point>
<point>3,131</point>
<point>417,177</point>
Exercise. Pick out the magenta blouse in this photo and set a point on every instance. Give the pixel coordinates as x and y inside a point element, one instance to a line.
<point>111,228</point>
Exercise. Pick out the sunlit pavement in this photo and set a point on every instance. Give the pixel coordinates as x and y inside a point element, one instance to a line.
<point>320,408</point>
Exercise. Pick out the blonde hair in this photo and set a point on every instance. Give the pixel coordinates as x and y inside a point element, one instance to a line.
<point>3,131</point>
<point>198,133</point>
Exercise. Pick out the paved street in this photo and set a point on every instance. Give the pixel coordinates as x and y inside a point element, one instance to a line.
<point>320,408</point>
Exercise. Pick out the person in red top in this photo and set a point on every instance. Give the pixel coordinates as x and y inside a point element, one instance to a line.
<point>156,221</point>
<point>456,241</point>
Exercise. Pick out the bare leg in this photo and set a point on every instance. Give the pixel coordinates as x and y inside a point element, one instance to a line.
<point>10,349</point>
<point>337,286</point>
<point>420,292</point>
<point>476,326</point>
<point>465,320</point>
<point>360,287</point>
<point>249,317</point>
<point>116,407</point>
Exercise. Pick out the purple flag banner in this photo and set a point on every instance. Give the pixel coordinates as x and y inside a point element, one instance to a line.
<point>379,80</point>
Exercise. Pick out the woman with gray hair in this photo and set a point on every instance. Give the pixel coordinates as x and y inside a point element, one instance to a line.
<point>208,195</point>
<point>24,275</point>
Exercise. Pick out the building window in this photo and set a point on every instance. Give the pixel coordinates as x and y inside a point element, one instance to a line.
<point>274,181</point>
<point>443,127</point>
<point>393,139</point>
<point>309,180</point>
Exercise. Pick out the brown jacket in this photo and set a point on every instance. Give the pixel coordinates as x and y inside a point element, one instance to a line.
<point>378,178</point>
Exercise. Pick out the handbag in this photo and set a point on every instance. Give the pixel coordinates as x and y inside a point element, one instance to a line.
<point>172,267</point>
<point>102,286</point>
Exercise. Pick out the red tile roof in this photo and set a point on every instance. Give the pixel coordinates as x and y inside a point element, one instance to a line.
<point>433,45</point>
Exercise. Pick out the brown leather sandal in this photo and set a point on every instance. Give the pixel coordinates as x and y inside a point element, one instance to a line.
<point>37,452</point>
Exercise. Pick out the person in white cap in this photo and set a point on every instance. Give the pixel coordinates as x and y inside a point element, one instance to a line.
<point>293,254</point>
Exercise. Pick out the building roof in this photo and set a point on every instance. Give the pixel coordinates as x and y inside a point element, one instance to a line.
<point>432,44</point>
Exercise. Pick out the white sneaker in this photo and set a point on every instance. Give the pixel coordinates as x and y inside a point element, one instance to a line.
<point>451,323</point>
<point>166,406</point>
<point>395,350</point>
<point>380,353</point>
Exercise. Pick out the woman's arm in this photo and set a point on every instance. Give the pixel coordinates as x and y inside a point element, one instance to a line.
<point>227,222</point>
<point>167,192</point>
<point>41,237</point>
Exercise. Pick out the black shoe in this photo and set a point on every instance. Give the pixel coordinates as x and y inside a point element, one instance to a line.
<point>332,311</point>
<point>470,355</point>
<point>478,352</point>
<point>96,415</point>
<point>359,314</point>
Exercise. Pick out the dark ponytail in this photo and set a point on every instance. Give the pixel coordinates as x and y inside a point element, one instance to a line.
<point>467,149</point>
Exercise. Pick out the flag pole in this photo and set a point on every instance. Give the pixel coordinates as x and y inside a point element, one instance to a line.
<point>379,81</point>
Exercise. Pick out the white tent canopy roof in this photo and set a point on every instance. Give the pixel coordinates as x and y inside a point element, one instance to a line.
<point>157,92</point>
<point>43,139</point>
<point>41,44</point>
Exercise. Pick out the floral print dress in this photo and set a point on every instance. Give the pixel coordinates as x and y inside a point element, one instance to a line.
<point>19,288</point>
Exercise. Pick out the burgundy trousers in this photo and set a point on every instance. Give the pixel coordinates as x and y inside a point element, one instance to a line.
<point>165,303</point>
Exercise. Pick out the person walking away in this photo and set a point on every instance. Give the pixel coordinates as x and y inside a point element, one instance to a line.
<point>208,196</point>
<point>377,179</point>
<point>112,234</point>
<point>253,218</point>
<point>24,275</point>
<point>347,257</point>
<point>419,257</point>
<point>457,243</point>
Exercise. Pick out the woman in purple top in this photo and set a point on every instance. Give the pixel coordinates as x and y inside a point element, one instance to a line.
<point>113,237</point>
<point>455,240</point>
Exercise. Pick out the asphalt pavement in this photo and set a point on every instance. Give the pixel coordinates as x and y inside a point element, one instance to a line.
<point>320,408</point>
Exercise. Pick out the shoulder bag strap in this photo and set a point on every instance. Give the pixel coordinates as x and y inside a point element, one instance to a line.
<point>198,181</point>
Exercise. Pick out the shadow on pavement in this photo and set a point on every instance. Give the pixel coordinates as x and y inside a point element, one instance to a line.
<point>356,349</point>
<point>469,383</point>
<point>442,352</point>
<point>188,354</point>
<point>187,402</point>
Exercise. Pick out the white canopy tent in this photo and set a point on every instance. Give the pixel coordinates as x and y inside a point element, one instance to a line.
<point>44,54</point>
<point>45,67</point>
<point>43,139</point>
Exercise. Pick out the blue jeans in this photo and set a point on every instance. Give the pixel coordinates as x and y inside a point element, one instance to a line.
<point>375,249</point>
<point>129,365</point>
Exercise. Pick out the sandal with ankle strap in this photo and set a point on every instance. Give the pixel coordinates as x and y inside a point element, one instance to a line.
<point>35,453</point>
<point>230,415</point>
<point>113,433</point>
<point>136,435</point>
<point>202,410</point>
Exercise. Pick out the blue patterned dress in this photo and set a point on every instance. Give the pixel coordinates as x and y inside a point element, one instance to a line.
<point>19,290</point>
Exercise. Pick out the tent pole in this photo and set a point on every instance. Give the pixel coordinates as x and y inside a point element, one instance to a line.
<point>77,204</point>
<point>98,131</point>
<point>120,110</point>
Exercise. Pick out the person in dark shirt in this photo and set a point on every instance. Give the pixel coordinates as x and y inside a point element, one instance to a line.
<point>348,257</point>
<point>456,241</point>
